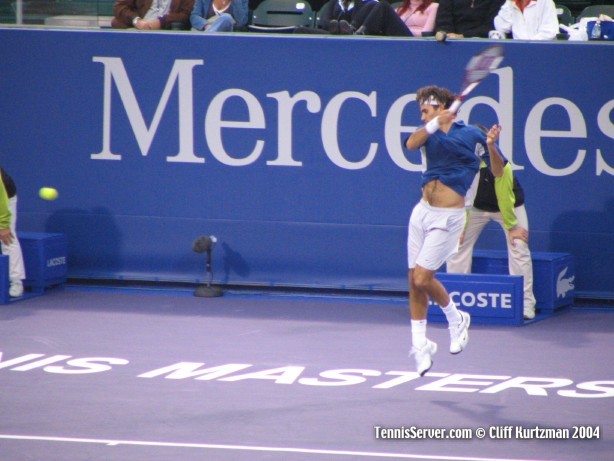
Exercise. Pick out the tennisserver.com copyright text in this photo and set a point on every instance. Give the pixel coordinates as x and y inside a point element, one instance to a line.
<point>491,432</point>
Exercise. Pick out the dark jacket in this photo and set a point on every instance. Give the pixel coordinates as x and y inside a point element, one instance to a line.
<point>471,18</point>
<point>331,10</point>
<point>9,184</point>
<point>125,11</point>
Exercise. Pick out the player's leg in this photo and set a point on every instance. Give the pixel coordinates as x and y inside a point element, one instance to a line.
<point>458,321</point>
<point>421,348</point>
<point>444,227</point>
<point>460,263</point>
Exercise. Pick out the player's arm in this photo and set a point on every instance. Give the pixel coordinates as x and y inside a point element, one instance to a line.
<point>5,217</point>
<point>497,162</point>
<point>419,137</point>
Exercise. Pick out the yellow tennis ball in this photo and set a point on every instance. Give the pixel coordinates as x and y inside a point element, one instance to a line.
<point>48,193</point>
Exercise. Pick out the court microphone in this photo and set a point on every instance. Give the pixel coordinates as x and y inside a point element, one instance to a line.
<point>204,243</point>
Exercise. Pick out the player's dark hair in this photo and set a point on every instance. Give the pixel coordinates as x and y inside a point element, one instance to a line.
<point>442,96</point>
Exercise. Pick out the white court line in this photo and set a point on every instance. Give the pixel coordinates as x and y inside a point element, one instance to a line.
<point>366,454</point>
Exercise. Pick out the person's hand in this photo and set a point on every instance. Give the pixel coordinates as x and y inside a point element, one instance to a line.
<point>453,35</point>
<point>519,234</point>
<point>6,236</point>
<point>446,116</point>
<point>493,134</point>
<point>148,24</point>
<point>155,24</point>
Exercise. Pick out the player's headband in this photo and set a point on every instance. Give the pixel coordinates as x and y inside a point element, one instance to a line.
<point>431,101</point>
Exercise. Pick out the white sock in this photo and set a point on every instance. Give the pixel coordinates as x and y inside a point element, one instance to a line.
<point>418,333</point>
<point>452,314</point>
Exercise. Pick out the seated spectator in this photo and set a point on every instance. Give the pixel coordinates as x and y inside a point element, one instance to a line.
<point>219,15</point>
<point>362,17</point>
<point>418,15</point>
<point>152,14</point>
<point>467,18</point>
<point>528,19</point>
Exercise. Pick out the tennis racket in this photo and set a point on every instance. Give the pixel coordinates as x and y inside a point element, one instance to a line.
<point>478,68</point>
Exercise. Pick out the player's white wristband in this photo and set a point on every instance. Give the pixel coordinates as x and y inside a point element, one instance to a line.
<point>135,20</point>
<point>432,126</point>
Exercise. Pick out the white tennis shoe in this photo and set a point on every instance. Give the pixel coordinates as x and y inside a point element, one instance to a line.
<point>459,334</point>
<point>423,356</point>
<point>16,289</point>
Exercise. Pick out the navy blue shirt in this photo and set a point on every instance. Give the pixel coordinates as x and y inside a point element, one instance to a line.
<point>454,158</point>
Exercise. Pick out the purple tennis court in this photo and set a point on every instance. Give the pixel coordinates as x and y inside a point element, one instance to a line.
<point>110,374</point>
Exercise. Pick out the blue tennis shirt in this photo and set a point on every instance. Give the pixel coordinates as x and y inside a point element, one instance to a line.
<point>453,158</point>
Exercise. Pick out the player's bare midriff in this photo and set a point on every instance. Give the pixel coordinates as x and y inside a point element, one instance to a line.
<point>437,194</point>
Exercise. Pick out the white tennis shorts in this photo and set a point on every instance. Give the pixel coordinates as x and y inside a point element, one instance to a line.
<point>433,235</point>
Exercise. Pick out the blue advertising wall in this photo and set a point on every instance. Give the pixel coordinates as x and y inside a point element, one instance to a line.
<point>288,149</point>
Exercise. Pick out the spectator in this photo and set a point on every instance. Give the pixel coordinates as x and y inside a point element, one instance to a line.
<point>219,15</point>
<point>362,17</point>
<point>152,14</point>
<point>8,235</point>
<point>467,18</point>
<point>528,19</point>
<point>418,15</point>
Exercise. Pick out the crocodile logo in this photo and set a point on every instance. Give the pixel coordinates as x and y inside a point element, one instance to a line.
<point>564,285</point>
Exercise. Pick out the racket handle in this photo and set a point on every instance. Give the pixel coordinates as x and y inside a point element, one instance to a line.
<point>455,105</point>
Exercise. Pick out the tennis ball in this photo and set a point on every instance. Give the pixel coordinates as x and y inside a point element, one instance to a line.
<point>441,36</point>
<point>48,193</point>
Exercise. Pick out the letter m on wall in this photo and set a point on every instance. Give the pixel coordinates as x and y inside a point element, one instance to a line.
<point>181,73</point>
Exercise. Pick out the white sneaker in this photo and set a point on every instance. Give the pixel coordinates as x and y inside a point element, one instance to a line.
<point>459,334</point>
<point>423,356</point>
<point>529,313</point>
<point>16,289</point>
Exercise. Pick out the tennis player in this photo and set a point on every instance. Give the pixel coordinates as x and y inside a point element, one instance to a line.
<point>451,154</point>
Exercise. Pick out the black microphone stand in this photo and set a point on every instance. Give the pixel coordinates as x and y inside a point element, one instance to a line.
<point>207,290</point>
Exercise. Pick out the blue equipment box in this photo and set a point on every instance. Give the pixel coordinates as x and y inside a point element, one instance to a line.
<point>553,275</point>
<point>490,299</point>
<point>45,258</point>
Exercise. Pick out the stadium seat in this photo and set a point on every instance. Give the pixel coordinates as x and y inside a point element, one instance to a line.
<point>594,11</point>
<point>564,15</point>
<point>281,16</point>
<point>575,5</point>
